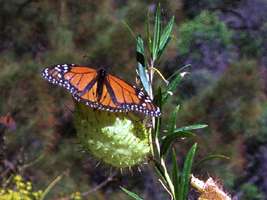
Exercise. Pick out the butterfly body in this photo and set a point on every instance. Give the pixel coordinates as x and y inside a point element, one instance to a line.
<point>101,80</point>
<point>100,90</point>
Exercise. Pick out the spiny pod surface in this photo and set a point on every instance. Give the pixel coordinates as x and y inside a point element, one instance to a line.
<point>118,139</point>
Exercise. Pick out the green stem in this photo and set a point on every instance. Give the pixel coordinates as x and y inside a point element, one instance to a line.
<point>156,139</point>
<point>50,186</point>
<point>168,178</point>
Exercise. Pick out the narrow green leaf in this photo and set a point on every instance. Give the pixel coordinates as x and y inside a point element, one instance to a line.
<point>180,134</point>
<point>175,171</point>
<point>171,87</point>
<point>160,171</point>
<point>169,139</point>
<point>179,71</point>
<point>129,28</point>
<point>210,157</point>
<point>157,127</point>
<point>140,48</point>
<point>186,173</point>
<point>172,120</point>
<point>166,33</point>
<point>158,102</point>
<point>140,57</point>
<point>142,75</point>
<point>131,194</point>
<point>149,40</point>
<point>165,37</point>
<point>158,98</point>
<point>156,35</point>
<point>163,48</point>
<point>191,127</point>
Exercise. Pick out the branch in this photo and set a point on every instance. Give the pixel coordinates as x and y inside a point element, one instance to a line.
<point>105,182</point>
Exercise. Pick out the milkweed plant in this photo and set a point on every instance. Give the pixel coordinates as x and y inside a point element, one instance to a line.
<point>123,140</point>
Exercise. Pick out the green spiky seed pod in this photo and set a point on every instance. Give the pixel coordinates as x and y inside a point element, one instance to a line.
<point>118,139</point>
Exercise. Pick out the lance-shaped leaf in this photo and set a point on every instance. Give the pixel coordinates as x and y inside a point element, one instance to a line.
<point>171,87</point>
<point>143,77</point>
<point>148,34</point>
<point>210,157</point>
<point>160,171</point>
<point>157,127</point>
<point>190,128</point>
<point>165,37</point>
<point>169,139</point>
<point>140,57</point>
<point>140,50</point>
<point>158,102</point>
<point>185,178</point>
<point>131,194</point>
<point>175,172</point>
<point>172,120</point>
<point>158,98</point>
<point>156,35</point>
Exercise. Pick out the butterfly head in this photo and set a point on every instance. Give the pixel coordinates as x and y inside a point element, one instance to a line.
<point>102,72</point>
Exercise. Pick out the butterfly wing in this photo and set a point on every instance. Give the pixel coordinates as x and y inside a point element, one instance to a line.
<point>129,98</point>
<point>76,79</point>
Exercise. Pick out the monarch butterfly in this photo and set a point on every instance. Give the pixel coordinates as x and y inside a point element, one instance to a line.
<point>100,90</point>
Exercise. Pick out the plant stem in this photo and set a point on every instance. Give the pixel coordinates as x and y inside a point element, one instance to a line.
<point>170,186</point>
<point>51,185</point>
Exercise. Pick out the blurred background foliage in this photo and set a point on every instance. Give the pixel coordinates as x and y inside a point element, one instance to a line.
<point>225,43</point>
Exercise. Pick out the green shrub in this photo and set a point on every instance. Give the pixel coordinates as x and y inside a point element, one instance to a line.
<point>233,108</point>
<point>250,45</point>
<point>204,27</point>
<point>251,191</point>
